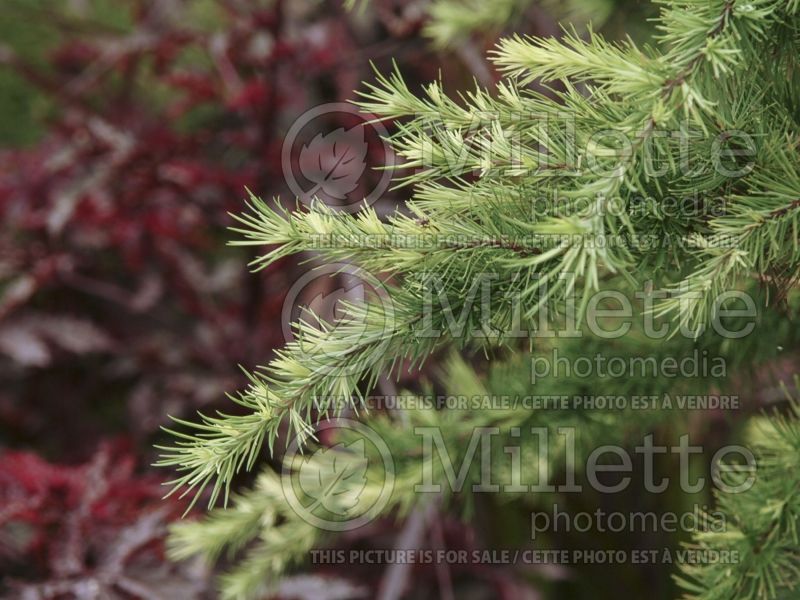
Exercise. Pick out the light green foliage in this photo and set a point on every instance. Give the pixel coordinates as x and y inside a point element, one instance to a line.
<point>644,124</point>
<point>452,20</point>
<point>762,523</point>
<point>262,518</point>
<point>449,22</point>
<point>267,535</point>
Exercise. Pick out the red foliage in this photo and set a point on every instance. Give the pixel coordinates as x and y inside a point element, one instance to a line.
<point>97,524</point>
<point>118,289</point>
<point>113,224</point>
